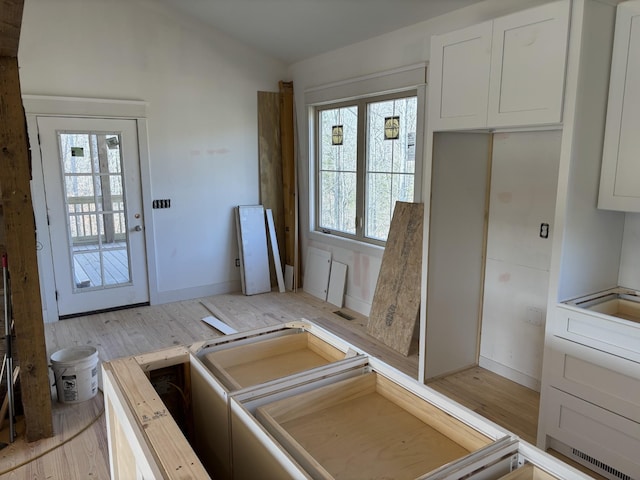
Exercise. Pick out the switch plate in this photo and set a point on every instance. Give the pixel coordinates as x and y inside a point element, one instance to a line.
<point>162,203</point>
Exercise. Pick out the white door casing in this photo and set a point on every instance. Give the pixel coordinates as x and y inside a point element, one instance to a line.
<point>76,293</point>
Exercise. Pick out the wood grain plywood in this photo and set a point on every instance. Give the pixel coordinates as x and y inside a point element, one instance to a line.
<point>358,429</point>
<point>396,301</point>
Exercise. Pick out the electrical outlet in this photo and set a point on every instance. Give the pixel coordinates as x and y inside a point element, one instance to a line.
<point>544,230</point>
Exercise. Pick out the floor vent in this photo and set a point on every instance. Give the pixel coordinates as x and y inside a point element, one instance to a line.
<point>346,316</point>
<point>602,466</point>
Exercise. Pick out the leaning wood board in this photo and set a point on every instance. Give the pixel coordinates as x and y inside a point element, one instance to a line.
<point>396,301</point>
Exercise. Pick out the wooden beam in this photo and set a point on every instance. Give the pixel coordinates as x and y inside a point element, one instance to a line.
<point>289,179</point>
<point>15,176</point>
<point>10,22</point>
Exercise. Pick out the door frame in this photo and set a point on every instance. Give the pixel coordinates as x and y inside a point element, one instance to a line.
<point>50,106</point>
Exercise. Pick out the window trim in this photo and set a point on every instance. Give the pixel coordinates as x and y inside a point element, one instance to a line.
<point>314,133</point>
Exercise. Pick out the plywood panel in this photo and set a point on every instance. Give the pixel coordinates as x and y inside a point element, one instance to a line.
<point>396,301</point>
<point>270,161</point>
<point>289,185</point>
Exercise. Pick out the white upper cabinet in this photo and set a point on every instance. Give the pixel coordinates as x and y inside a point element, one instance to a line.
<point>459,82</point>
<point>502,73</point>
<point>527,66</point>
<point>620,179</point>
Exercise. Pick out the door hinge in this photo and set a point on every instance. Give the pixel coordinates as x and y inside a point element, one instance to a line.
<point>48,223</point>
<point>56,295</point>
<point>38,138</point>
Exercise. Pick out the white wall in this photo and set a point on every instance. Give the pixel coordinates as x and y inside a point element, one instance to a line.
<point>630,258</point>
<point>407,46</point>
<point>524,180</point>
<point>201,88</point>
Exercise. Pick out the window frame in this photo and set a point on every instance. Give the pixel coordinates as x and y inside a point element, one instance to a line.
<point>362,103</point>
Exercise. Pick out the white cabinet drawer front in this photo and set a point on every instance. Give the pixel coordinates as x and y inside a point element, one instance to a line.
<point>528,66</point>
<point>603,379</point>
<point>605,436</point>
<point>459,78</point>
<point>608,334</point>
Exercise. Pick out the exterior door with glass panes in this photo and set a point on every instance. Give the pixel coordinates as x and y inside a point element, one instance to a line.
<point>94,204</point>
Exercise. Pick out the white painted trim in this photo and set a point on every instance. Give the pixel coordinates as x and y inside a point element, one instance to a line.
<point>507,372</point>
<point>38,200</point>
<point>357,305</point>
<point>347,243</point>
<point>43,105</point>
<point>149,226</point>
<point>197,292</point>
<point>75,106</point>
<point>395,80</point>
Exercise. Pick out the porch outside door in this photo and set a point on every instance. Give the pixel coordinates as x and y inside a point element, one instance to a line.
<point>94,204</point>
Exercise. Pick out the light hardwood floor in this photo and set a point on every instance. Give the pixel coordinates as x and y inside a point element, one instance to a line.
<point>80,431</point>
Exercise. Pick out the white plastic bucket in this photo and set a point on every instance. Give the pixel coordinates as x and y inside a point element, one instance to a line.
<point>76,373</point>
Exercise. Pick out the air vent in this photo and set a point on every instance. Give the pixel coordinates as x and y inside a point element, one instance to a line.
<point>346,316</point>
<point>602,466</point>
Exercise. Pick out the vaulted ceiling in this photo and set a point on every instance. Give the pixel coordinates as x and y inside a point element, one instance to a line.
<point>292,30</point>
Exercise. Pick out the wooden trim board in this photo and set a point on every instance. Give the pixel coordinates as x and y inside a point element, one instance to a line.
<point>275,251</point>
<point>396,301</point>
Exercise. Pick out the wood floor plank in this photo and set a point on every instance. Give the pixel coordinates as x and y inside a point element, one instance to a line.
<point>143,329</point>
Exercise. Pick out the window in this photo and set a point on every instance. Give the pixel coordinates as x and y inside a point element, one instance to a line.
<point>365,157</point>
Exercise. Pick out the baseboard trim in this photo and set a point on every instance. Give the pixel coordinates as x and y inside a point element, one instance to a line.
<point>508,372</point>
<point>357,305</point>
<point>196,292</point>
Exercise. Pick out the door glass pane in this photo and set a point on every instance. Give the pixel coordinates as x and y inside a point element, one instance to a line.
<point>96,211</point>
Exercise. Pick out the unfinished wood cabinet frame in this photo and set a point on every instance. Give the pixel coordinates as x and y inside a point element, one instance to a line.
<point>145,441</point>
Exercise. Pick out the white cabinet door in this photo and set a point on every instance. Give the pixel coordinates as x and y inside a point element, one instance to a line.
<point>528,66</point>
<point>620,179</point>
<point>459,78</point>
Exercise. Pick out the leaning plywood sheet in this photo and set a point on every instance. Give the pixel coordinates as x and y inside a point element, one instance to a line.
<point>396,301</point>
<point>252,242</point>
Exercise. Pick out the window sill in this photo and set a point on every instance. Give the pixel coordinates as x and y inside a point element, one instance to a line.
<point>347,244</point>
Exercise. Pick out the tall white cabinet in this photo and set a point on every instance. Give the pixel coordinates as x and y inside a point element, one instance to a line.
<point>549,69</point>
<point>620,182</point>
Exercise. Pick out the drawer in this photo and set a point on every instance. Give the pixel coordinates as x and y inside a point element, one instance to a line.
<point>608,381</point>
<point>599,434</point>
<point>609,334</point>
<point>256,359</point>
<point>368,427</point>
<point>277,357</point>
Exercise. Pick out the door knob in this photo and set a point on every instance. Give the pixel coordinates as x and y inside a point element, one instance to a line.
<point>137,228</point>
